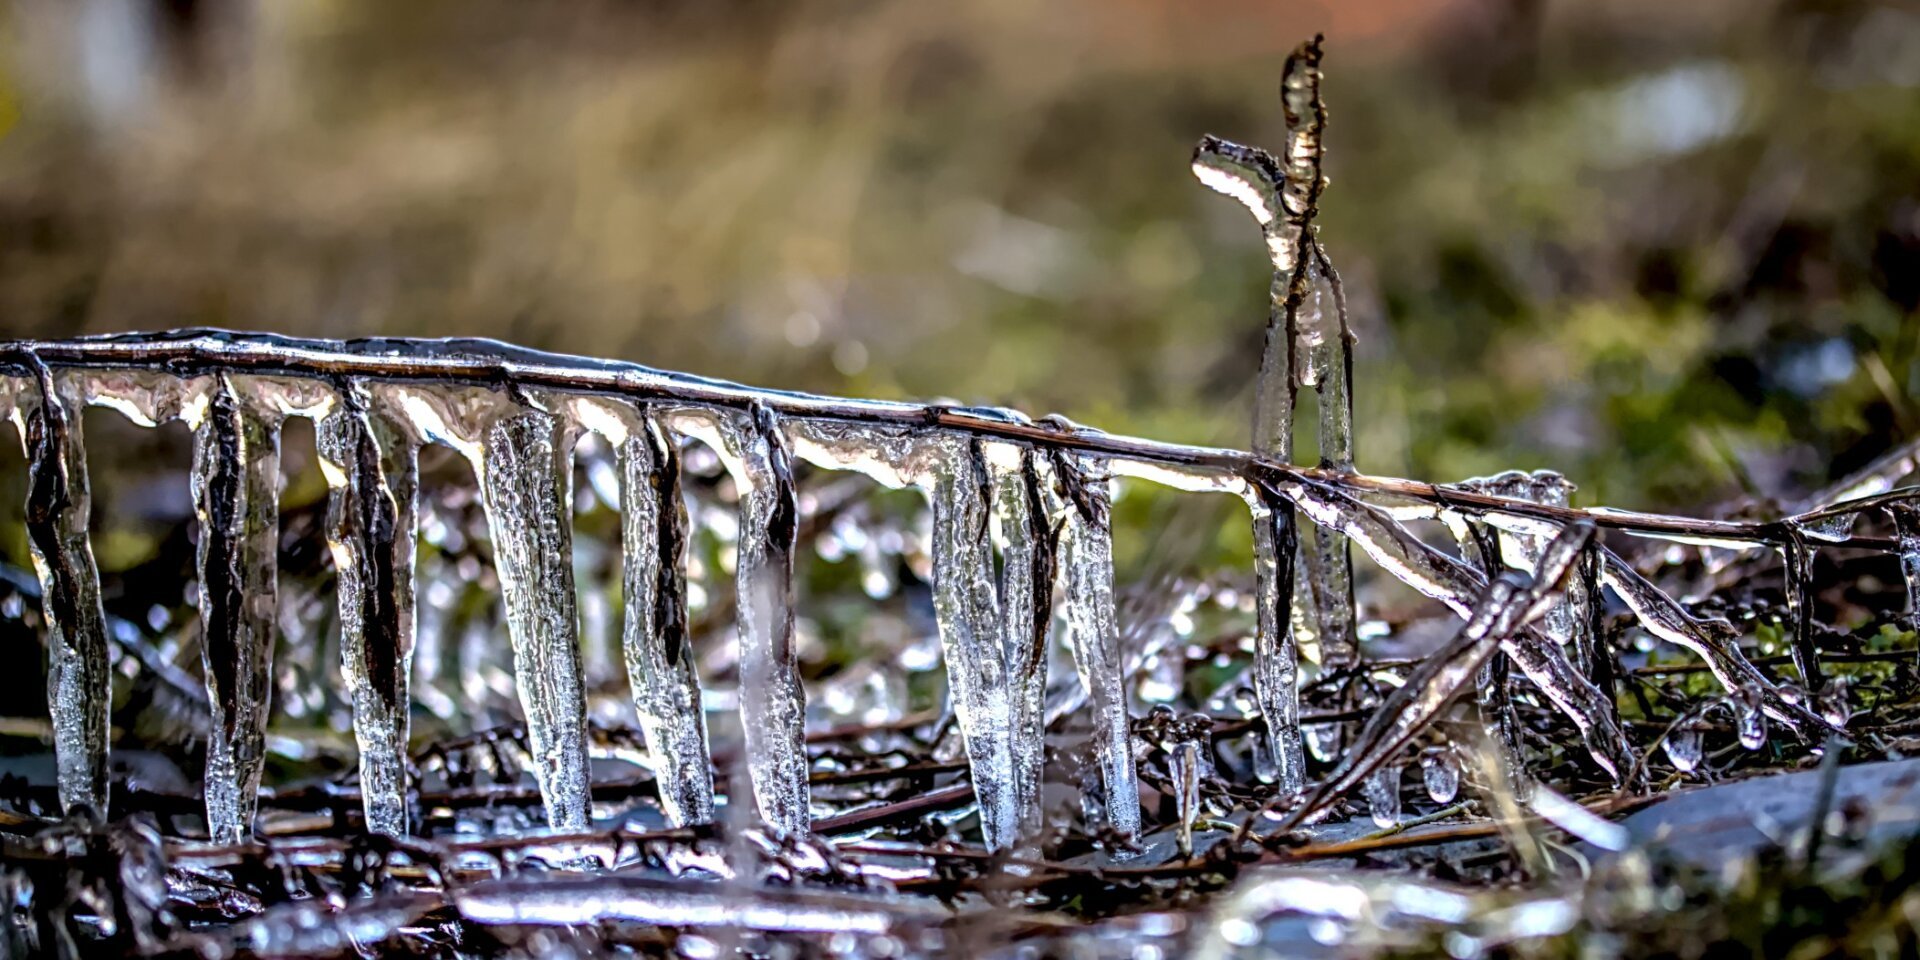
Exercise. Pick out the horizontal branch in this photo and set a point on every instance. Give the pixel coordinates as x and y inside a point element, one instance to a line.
<point>489,363</point>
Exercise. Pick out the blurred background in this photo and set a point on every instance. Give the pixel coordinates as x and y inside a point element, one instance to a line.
<point>1671,249</point>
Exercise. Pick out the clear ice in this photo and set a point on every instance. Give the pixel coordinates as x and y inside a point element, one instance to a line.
<point>1031,550</point>
<point>968,614</point>
<point>1440,775</point>
<point>1324,361</point>
<point>1382,791</point>
<point>59,500</point>
<point>1276,657</point>
<point>372,517</point>
<point>1906,524</point>
<point>1455,584</point>
<point>773,704</point>
<point>1092,633</point>
<point>236,486</point>
<point>1798,555</point>
<point>1683,747</point>
<point>524,461</point>
<point>660,662</point>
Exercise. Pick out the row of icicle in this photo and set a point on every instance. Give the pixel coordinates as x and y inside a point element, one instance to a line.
<point>1051,510</point>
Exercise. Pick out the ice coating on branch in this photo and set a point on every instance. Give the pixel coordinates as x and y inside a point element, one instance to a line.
<point>236,486</point>
<point>1448,580</point>
<point>524,460</point>
<point>1032,540</point>
<point>773,704</point>
<point>1276,657</point>
<point>1906,525</point>
<point>1715,641</point>
<point>372,474</point>
<point>968,612</point>
<point>659,656</point>
<point>59,500</point>
<point>1092,633</point>
<point>1505,607</point>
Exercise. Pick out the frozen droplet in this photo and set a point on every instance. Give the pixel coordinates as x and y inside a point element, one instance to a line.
<point>1834,529</point>
<point>1323,741</point>
<point>1382,792</point>
<point>1835,706</point>
<point>1441,775</point>
<point>1683,748</point>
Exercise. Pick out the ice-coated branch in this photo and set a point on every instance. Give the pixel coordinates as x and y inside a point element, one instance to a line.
<point>1510,602</point>
<point>1455,584</point>
<point>492,364</point>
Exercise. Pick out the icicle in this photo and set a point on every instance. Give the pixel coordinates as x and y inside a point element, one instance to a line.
<point>1502,723</point>
<point>1495,679</point>
<point>1323,352</point>
<point>1091,631</point>
<point>372,523</point>
<point>1382,790</point>
<point>1276,662</point>
<point>1799,582</point>
<point>236,485</point>
<point>1683,747</point>
<point>660,662</point>
<point>1026,595</point>
<point>1834,705</point>
<point>970,634</point>
<point>1440,775</point>
<point>1587,599</point>
<point>1264,767</point>
<point>59,500</point>
<point>526,477</point>
<point>773,705</point>
<point>1906,523</point>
